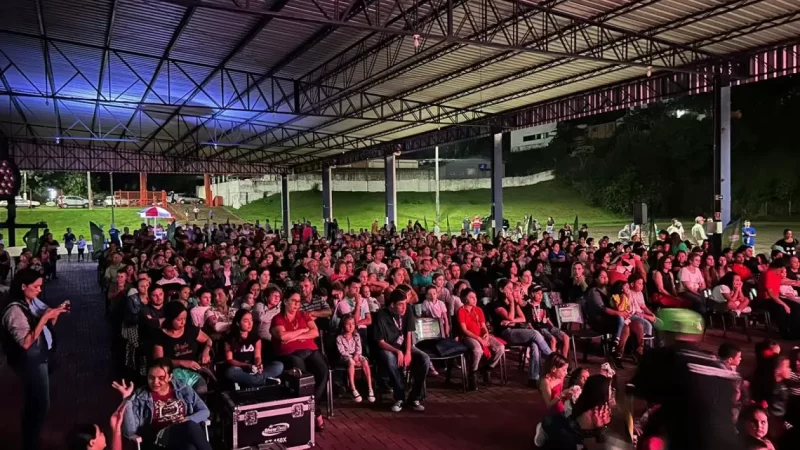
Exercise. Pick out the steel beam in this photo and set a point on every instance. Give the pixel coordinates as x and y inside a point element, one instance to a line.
<point>555,36</point>
<point>722,150</point>
<point>187,16</point>
<point>533,39</point>
<point>48,66</point>
<point>285,211</point>
<point>501,142</point>
<point>37,155</point>
<point>390,182</point>
<point>112,14</point>
<point>764,64</point>
<point>244,42</point>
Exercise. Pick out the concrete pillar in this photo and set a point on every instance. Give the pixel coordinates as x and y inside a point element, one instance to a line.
<point>285,215</point>
<point>722,151</point>
<point>327,199</point>
<point>390,182</point>
<point>501,141</point>
<point>207,187</point>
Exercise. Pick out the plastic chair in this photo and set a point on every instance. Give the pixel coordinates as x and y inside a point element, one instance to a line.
<point>569,313</point>
<point>335,368</point>
<point>430,329</point>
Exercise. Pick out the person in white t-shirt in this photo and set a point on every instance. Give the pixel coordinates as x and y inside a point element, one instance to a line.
<point>693,284</point>
<point>377,266</point>
<point>198,313</point>
<point>435,308</point>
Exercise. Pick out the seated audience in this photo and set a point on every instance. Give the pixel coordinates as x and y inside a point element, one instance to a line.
<point>349,344</point>
<point>394,328</point>
<point>293,335</point>
<point>475,335</point>
<point>243,354</point>
<point>166,413</point>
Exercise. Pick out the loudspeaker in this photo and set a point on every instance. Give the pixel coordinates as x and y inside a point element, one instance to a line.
<point>640,213</point>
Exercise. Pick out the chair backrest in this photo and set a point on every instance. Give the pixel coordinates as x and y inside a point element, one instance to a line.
<point>569,313</point>
<point>707,293</point>
<point>427,328</point>
<point>753,293</point>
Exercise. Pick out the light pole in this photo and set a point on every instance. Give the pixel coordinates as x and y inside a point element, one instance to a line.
<point>113,197</point>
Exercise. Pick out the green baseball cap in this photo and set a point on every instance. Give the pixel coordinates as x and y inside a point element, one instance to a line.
<point>679,320</point>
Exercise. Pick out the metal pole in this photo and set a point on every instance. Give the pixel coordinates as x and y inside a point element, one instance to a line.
<point>89,189</point>
<point>437,184</point>
<point>113,197</point>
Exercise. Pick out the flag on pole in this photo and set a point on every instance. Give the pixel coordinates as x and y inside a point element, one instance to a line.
<point>171,233</point>
<point>652,233</point>
<point>348,225</point>
<point>448,224</point>
<point>31,240</point>
<point>576,227</point>
<point>732,234</point>
<point>98,238</point>
<point>425,220</point>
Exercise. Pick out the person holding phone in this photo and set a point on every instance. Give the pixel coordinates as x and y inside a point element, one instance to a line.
<point>27,343</point>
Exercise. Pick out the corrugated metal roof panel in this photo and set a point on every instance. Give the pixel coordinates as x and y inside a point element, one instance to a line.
<point>18,15</point>
<point>211,35</point>
<point>77,20</point>
<point>145,27</point>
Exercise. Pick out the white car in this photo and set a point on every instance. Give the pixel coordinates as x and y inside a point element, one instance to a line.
<point>22,203</point>
<point>117,201</point>
<point>73,201</point>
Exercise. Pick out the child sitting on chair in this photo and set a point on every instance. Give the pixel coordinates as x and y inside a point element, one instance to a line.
<point>541,322</point>
<point>349,344</point>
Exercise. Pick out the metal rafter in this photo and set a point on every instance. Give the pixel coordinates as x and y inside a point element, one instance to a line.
<point>112,14</point>
<point>533,40</point>
<point>48,67</point>
<point>360,44</point>
<point>17,106</point>
<point>363,59</point>
<point>31,154</point>
<point>252,34</point>
<point>768,63</point>
<point>187,16</point>
<point>715,10</point>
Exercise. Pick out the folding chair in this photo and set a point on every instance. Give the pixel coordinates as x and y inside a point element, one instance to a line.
<point>428,329</point>
<point>569,313</point>
<point>333,368</point>
<point>138,439</point>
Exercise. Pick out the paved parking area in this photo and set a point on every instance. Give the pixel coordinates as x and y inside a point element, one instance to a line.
<point>500,417</point>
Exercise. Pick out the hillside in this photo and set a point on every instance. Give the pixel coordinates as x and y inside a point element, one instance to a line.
<point>542,200</point>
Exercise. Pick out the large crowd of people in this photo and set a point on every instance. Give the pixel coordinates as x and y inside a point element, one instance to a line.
<point>235,306</point>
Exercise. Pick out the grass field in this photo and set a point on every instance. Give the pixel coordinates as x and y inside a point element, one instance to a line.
<point>58,220</point>
<point>542,200</point>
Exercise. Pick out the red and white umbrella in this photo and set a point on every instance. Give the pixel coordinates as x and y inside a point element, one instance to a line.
<point>155,212</point>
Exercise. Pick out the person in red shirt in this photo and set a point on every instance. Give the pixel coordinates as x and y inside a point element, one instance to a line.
<point>294,333</point>
<point>785,313</point>
<point>740,269</point>
<point>477,338</point>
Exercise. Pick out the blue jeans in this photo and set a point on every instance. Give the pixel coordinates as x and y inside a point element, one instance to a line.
<point>620,322</point>
<point>647,326</point>
<point>535,341</point>
<point>36,403</point>
<point>250,380</point>
<point>420,363</point>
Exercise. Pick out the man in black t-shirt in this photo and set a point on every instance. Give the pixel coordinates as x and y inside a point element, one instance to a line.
<point>394,328</point>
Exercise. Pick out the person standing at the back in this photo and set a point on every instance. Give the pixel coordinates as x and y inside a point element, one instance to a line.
<point>69,243</point>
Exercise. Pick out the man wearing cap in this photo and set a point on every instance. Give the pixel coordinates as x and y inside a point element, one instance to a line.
<point>693,388</point>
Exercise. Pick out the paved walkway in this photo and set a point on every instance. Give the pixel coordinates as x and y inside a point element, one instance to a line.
<point>492,418</point>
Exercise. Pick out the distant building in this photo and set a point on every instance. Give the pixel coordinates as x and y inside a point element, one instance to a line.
<point>533,137</point>
<point>459,169</point>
